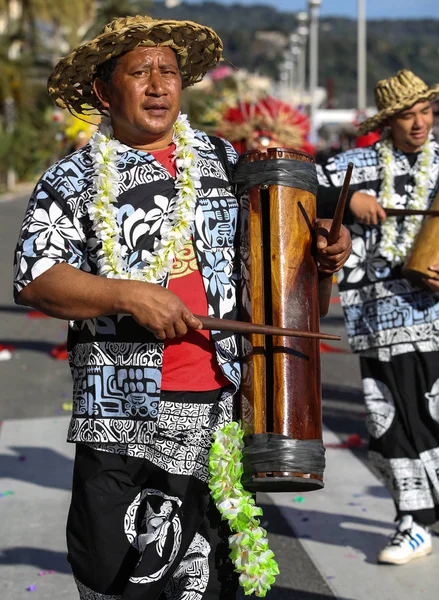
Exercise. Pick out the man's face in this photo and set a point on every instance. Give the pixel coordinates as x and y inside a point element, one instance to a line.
<point>410,128</point>
<point>143,97</point>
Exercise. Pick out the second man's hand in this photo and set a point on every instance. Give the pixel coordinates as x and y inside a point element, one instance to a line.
<point>366,209</point>
<point>432,282</point>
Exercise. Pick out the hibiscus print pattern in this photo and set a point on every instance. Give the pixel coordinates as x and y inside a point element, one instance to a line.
<point>365,261</point>
<point>216,273</point>
<point>57,229</point>
<point>52,228</point>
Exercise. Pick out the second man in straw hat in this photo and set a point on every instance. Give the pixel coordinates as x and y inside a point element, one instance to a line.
<point>393,324</point>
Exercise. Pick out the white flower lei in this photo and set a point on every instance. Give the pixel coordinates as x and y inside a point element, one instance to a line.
<point>175,232</point>
<point>397,240</point>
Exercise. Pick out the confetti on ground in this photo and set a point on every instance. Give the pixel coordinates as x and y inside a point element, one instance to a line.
<point>299,499</point>
<point>6,352</point>
<point>354,504</point>
<point>31,588</point>
<point>21,458</point>
<point>59,352</point>
<point>36,314</point>
<point>335,300</point>
<point>305,519</point>
<point>67,406</point>
<point>8,493</point>
<point>42,573</point>
<point>7,347</point>
<point>353,441</point>
<point>330,577</point>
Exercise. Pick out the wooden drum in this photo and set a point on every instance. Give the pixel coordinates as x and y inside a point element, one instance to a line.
<point>425,250</point>
<point>281,389</point>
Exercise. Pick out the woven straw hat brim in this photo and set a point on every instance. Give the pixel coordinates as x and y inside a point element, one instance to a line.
<point>374,122</point>
<point>198,49</point>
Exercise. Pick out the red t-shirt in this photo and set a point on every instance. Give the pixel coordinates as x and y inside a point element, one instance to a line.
<point>189,363</point>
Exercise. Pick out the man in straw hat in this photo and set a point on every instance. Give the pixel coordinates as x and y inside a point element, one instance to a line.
<point>392,323</point>
<point>129,238</point>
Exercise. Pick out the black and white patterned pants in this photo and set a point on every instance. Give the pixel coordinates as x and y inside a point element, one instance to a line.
<point>402,412</point>
<point>136,531</point>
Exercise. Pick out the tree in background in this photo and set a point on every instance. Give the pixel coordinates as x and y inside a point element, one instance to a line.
<point>60,21</point>
<point>28,133</point>
<point>107,10</point>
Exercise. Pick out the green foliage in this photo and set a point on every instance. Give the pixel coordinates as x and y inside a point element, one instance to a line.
<point>32,145</point>
<point>66,17</point>
<point>109,9</point>
<point>205,109</point>
<point>221,17</point>
<point>391,46</point>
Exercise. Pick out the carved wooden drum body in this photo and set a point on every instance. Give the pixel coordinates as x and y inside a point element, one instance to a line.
<point>281,388</point>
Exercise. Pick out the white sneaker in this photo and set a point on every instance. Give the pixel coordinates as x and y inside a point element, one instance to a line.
<point>409,541</point>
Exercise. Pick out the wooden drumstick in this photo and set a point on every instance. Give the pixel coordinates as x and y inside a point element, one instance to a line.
<point>325,281</point>
<point>211,323</point>
<point>407,212</point>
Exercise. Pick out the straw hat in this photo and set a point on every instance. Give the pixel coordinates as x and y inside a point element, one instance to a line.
<point>198,49</point>
<point>396,94</point>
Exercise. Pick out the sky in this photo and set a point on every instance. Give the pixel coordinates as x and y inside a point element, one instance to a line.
<point>375,9</point>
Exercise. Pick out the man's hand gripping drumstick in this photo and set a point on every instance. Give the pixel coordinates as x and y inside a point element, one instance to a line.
<point>325,279</point>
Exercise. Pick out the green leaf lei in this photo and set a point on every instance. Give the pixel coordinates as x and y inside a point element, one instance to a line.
<point>249,545</point>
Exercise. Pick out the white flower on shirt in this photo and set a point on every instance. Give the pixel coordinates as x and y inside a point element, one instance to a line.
<point>159,215</point>
<point>134,227</point>
<point>215,271</point>
<point>53,228</point>
<point>365,259</point>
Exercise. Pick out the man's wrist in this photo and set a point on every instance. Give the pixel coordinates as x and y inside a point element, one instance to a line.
<point>123,293</point>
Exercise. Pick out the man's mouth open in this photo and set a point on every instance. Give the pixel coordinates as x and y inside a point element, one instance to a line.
<point>157,110</point>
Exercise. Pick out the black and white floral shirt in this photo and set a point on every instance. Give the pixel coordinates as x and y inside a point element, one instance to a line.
<point>382,309</point>
<point>116,363</point>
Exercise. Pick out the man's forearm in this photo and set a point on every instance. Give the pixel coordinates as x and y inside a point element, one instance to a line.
<point>67,293</point>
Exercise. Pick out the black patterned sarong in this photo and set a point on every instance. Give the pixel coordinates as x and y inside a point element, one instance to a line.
<point>402,408</point>
<point>137,531</point>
